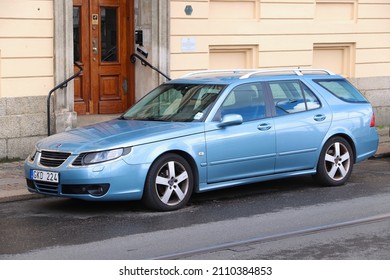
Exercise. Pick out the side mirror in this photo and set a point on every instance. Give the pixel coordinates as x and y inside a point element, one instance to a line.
<point>230,119</point>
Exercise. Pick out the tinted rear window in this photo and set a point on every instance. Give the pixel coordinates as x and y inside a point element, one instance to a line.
<point>343,90</point>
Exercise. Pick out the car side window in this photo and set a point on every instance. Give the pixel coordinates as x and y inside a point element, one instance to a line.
<point>246,100</point>
<point>292,97</point>
<point>343,90</point>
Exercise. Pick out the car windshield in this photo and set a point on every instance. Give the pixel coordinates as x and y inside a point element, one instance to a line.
<point>175,102</point>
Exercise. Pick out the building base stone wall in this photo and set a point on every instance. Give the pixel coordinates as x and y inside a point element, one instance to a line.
<point>377,91</point>
<point>64,121</point>
<point>23,122</point>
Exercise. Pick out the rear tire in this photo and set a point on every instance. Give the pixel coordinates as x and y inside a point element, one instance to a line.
<point>169,183</point>
<point>336,162</point>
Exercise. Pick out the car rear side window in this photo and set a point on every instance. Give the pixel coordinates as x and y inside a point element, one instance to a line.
<point>292,97</point>
<point>343,90</point>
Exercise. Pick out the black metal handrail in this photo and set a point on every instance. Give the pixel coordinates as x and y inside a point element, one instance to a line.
<point>145,63</point>
<point>62,85</point>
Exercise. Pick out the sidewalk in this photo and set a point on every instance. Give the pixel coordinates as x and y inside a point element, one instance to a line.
<point>13,183</point>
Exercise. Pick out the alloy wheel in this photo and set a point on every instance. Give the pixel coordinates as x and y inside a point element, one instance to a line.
<point>337,161</point>
<point>172,183</point>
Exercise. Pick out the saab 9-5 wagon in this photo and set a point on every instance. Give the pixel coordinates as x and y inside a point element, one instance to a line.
<point>210,130</point>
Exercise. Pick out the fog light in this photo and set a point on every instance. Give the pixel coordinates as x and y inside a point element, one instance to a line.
<point>97,190</point>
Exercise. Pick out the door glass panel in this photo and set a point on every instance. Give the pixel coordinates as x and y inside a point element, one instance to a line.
<point>292,97</point>
<point>108,20</point>
<point>246,100</point>
<point>76,34</point>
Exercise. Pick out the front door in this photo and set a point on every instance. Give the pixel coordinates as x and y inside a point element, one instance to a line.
<point>103,36</point>
<point>244,150</point>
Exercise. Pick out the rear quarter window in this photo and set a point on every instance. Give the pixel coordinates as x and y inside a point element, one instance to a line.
<point>343,90</point>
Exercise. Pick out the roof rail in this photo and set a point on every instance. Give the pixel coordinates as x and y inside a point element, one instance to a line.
<point>234,71</point>
<point>298,71</point>
<point>252,72</point>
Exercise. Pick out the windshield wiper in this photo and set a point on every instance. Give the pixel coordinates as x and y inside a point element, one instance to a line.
<point>149,119</point>
<point>158,119</point>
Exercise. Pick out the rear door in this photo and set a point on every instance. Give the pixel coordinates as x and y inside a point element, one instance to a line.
<point>301,123</point>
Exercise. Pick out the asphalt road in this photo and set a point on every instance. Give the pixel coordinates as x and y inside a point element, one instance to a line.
<point>284,219</point>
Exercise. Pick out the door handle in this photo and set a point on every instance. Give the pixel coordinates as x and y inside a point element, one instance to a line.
<point>264,126</point>
<point>319,117</point>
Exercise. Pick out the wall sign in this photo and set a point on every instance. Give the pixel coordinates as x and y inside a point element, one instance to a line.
<point>188,44</point>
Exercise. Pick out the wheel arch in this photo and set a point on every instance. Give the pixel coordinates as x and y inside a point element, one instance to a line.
<point>348,139</point>
<point>190,161</point>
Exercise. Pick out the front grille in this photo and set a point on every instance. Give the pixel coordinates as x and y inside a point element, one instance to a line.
<point>53,159</point>
<point>46,188</point>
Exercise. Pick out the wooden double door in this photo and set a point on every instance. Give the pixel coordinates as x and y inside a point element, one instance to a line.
<point>103,33</point>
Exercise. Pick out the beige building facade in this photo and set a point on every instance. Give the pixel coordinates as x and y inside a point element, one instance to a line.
<point>41,39</point>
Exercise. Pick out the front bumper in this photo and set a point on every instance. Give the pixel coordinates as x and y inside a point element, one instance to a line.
<point>109,181</point>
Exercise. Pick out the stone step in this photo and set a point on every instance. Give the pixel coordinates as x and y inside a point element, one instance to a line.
<point>84,120</point>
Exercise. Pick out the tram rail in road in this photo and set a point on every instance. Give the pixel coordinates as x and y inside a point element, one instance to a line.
<point>277,237</point>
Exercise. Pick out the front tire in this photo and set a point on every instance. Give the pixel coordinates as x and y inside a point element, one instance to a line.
<point>336,162</point>
<point>169,183</point>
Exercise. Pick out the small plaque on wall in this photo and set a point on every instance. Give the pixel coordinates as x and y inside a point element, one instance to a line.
<point>188,44</point>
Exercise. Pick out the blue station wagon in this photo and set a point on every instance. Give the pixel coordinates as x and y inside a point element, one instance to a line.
<point>210,130</point>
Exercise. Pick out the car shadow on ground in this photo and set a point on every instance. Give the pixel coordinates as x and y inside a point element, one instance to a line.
<point>233,194</point>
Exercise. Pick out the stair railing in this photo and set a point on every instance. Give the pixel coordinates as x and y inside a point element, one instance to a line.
<point>62,85</point>
<point>145,63</point>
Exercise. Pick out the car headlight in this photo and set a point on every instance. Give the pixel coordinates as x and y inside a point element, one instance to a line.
<point>102,156</point>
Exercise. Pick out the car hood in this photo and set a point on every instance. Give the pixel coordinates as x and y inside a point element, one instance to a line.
<point>117,133</point>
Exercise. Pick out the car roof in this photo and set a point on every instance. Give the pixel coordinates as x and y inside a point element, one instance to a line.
<point>228,76</point>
